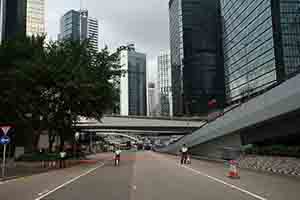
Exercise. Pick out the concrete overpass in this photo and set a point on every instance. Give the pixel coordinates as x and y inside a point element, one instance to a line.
<point>141,125</point>
<point>274,114</point>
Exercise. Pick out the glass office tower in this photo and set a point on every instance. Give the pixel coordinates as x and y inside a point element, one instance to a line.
<point>196,55</point>
<point>12,18</point>
<point>165,86</point>
<point>261,44</point>
<point>133,95</point>
<point>77,25</point>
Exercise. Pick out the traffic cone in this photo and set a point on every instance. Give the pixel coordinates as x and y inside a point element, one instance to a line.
<point>233,171</point>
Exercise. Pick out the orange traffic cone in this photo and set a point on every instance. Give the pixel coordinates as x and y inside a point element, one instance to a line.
<point>233,171</point>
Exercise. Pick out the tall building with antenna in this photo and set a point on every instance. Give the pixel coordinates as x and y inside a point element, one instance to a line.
<point>77,25</point>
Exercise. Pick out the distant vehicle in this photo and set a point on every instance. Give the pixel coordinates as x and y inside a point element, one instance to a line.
<point>148,147</point>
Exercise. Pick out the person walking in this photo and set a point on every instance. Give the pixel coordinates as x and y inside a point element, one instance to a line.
<point>184,154</point>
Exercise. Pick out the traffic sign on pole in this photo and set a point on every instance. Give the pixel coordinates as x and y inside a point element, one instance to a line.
<point>4,140</point>
<point>5,129</point>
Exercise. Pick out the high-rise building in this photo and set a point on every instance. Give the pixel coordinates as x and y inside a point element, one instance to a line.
<point>261,44</point>
<point>12,18</point>
<point>77,25</point>
<point>165,84</point>
<point>35,17</point>
<point>93,28</point>
<point>196,55</point>
<point>152,105</point>
<point>2,17</point>
<point>133,98</point>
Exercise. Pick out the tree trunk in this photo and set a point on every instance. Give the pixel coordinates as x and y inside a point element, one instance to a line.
<point>51,136</point>
<point>62,141</point>
<point>36,139</point>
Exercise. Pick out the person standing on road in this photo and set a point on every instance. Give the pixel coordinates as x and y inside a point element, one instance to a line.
<point>184,154</point>
<point>63,156</point>
<point>117,156</point>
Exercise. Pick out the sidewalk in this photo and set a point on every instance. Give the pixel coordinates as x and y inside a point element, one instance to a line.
<point>22,169</point>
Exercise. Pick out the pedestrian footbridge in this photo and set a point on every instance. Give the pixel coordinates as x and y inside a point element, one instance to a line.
<point>141,125</point>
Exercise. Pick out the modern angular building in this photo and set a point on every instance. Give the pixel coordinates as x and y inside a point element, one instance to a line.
<point>196,55</point>
<point>133,97</point>
<point>77,25</point>
<point>261,42</point>
<point>165,84</point>
<point>12,18</point>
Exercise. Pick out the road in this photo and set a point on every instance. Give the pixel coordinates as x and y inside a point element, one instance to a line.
<point>149,176</point>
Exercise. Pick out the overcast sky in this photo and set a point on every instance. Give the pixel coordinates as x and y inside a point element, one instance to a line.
<point>143,22</point>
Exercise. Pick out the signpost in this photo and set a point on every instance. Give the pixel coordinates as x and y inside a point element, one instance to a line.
<point>4,140</point>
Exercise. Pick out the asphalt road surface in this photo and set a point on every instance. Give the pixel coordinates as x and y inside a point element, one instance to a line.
<point>150,176</point>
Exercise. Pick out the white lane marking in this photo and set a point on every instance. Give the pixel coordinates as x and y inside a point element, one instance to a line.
<point>68,182</point>
<point>41,193</point>
<point>13,180</point>
<point>225,183</point>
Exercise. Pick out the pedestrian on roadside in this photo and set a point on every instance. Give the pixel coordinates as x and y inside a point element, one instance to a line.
<point>63,156</point>
<point>184,154</point>
<point>42,157</point>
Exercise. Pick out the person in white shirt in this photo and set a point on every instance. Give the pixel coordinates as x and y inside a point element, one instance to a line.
<point>184,154</point>
<point>117,155</point>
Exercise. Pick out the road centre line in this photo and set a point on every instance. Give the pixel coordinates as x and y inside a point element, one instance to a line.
<point>224,183</point>
<point>68,182</point>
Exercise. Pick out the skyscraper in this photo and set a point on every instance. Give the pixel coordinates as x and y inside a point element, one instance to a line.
<point>152,105</point>
<point>93,29</point>
<point>196,55</point>
<point>2,17</point>
<point>12,18</point>
<point>133,83</point>
<point>165,84</point>
<point>261,44</point>
<point>77,25</point>
<point>35,17</point>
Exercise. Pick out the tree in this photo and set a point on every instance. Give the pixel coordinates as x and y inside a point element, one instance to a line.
<point>56,83</point>
<point>20,62</point>
<point>82,83</point>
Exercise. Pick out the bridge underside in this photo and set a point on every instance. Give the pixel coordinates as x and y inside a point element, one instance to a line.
<point>139,130</point>
<point>136,132</point>
<point>142,125</point>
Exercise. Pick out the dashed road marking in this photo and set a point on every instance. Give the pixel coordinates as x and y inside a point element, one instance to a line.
<point>68,182</point>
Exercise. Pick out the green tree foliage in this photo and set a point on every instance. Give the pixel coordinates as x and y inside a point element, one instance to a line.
<point>56,82</point>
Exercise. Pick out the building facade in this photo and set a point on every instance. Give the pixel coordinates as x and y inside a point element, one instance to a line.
<point>12,18</point>
<point>93,32</point>
<point>152,105</point>
<point>2,17</point>
<point>133,97</point>
<point>165,84</point>
<point>77,25</point>
<point>261,43</point>
<point>35,17</point>
<point>196,55</point>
